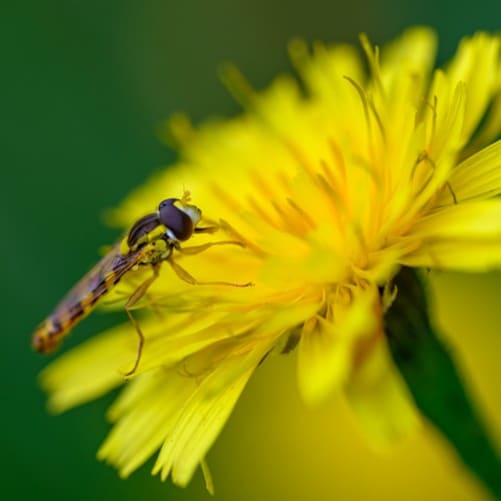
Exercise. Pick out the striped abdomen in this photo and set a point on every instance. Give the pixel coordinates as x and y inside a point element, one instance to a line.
<point>82,299</point>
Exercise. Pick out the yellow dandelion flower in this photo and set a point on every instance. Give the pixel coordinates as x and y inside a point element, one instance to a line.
<point>330,187</point>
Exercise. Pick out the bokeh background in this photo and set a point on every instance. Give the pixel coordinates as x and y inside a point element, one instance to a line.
<point>85,86</point>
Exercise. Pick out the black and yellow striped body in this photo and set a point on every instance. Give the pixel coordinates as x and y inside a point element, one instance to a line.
<point>85,295</point>
<point>150,240</point>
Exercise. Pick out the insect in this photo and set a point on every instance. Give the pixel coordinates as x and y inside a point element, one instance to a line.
<point>150,241</point>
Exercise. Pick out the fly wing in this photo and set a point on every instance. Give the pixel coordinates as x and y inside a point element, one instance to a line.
<point>82,298</point>
<point>101,278</point>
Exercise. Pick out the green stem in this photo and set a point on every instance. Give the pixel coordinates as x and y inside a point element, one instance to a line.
<point>434,381</point>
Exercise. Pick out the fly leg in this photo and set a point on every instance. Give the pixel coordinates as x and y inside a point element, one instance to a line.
<point>196,249</point>
<point>186,277</point>
<point>133,299</point>
<point>206,229</point>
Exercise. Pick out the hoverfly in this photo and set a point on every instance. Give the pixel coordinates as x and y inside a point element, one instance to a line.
<point>150,241</point>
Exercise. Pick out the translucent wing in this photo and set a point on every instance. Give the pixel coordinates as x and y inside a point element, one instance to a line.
<point>101,278</point>
<point>83,297</point>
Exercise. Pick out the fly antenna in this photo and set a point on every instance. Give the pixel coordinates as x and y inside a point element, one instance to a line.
<point>186,196</point>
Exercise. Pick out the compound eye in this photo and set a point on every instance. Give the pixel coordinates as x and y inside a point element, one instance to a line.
<point>178,222</point>
<point>167,202</point>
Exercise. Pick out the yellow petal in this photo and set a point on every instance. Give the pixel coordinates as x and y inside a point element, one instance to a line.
<point>381,399</point>
<point>469,220</point>
<point>325,355</point>
<point>476,63</point>
<point>324,70</point>
<point>91,369</point>
<point>144,413</point>
<point>444,118</point>
<point>479,176</point>
<point>464,237</point>
<point>203,415</point>
<point>197,430</point>
<point>324,361</point>
<point>182,335</point>
<point>457,255</point>
<point>409,57</point>
<point>491,125</point>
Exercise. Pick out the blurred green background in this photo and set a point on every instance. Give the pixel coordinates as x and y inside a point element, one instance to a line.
<point>84,85</point>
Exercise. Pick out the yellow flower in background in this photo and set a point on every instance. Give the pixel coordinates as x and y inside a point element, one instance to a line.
<point>330,187</point>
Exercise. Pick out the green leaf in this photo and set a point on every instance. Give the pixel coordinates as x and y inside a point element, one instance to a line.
<point>434,381</point>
